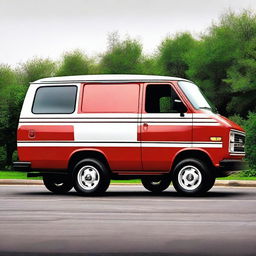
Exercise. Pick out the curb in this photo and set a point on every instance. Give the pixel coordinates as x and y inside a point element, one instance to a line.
<point>235,183</point>
<point>20,182</point>
<point>225,183</point>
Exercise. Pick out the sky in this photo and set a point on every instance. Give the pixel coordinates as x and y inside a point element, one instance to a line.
<point>49,28</point>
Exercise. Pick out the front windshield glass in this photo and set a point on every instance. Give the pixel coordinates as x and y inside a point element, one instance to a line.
<point>195,96</point>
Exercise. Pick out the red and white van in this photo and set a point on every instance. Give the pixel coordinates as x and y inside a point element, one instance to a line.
<point>83,131</point>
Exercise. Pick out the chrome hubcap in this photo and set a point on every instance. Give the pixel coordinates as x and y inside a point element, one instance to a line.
<point>189,177</point>
<point>88,177</point>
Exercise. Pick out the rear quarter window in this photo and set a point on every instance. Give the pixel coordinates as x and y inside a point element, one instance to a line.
<point>55,100</point>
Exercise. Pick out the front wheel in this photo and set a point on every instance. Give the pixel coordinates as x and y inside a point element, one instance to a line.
<point>58,184</point>
<point>192,177</point>
<point>91,177</point>
<point>156,184</point>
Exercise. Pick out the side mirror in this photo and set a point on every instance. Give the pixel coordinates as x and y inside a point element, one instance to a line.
<point>180,107</point>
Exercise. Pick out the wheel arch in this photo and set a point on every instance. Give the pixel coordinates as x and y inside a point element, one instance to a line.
<point>192,153</point>
<point>79,155</point>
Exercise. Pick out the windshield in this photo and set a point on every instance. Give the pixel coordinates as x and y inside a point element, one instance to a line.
<point>195,96</point>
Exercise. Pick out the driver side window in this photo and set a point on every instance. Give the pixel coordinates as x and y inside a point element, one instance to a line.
<point>160,99</point>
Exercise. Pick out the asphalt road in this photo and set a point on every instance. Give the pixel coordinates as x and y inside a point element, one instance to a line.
<point>128,220</point>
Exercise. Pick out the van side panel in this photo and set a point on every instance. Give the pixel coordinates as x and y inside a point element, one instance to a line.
<point>50,157</point>
<point>49,140</point>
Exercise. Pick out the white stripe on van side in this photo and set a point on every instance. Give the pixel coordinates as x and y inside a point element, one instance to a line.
<point>124,144</point>
<point>98,130</point>
<point>72,120</point>
<point>185,124</point>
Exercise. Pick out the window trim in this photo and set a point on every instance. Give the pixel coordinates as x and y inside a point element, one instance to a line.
<point>49,86</point>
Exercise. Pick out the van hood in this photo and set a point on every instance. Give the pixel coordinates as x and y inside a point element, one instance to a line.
<point>231,123</point>
<point>224,121</point>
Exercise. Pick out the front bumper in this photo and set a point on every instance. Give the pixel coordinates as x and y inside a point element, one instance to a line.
<point>21,166</point>
<point>232,165</point>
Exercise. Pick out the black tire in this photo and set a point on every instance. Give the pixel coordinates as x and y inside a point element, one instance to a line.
<point>192,177</point>
<point>211,184</point>
<point>58,184</point>
<point>90,177</point>
<point>156,184</point>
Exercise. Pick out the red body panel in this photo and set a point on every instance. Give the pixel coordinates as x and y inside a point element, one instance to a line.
<point>166,133</point>
<point>58,157</point>
<point>45,132</point>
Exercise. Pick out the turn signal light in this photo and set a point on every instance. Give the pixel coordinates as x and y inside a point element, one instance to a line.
<point>215,138</point>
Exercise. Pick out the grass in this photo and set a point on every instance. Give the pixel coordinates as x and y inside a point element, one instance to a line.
<point>234,177</point>
<point>23,175</point>
<point>16,175</point>
<point>137,181</point>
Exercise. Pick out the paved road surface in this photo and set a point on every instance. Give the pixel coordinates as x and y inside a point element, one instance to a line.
<point>127,221</point>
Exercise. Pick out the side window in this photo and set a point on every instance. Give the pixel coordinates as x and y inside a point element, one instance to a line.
<point>110,98</point>
<point>160,99</point>
<point>55,100</point>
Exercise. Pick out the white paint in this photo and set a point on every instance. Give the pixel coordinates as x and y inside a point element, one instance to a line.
<point>150,144</point>
<point>108,77</point>
<point>184,124</point>
<point>106,132</point>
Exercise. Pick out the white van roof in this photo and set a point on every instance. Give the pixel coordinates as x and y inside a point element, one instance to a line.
<point>107,78</point>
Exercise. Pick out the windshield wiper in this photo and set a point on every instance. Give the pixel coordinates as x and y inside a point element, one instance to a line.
<point>205,108</point>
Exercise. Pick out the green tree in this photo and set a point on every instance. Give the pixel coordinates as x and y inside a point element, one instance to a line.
<point>149,65</point>
<point>11,99</point>
<point>223,62</point>
<point>172,54</point>
<point>2,156</point>
<point>241,75</point>
<point>121,57</point>
<point>251,142</point>
<point>75,63</point>
<point>35,69</point>
<point>7,76</point>
<point>208,63</point>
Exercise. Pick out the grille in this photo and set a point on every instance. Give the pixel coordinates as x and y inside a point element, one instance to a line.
<point>239,141</point>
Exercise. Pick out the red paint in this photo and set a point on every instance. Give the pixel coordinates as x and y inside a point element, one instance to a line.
<point>46,132</point>
<point>166,132</point>
<point>109,98</point>
<point>57,157</point>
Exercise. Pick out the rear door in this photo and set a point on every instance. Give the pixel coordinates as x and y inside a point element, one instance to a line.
<point>163,131</point>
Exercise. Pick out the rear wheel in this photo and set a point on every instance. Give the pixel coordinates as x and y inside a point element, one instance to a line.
<point>192,177</point>
<point>58,184</point>
<point>156,184</point>
<point>91,177</point>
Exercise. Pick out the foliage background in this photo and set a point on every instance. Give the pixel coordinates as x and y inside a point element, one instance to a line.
<point>222,62</point>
